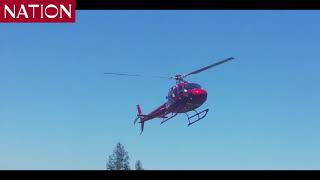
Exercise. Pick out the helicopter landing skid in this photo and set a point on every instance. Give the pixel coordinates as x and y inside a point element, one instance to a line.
<point>198,116</point>
<point>164,120</point>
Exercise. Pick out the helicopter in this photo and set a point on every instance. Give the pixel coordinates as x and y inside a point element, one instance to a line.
<point>183,97</point>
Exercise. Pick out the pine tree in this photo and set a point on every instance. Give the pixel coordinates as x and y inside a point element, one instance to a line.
<point>119,160</point>
<point>139,165</point>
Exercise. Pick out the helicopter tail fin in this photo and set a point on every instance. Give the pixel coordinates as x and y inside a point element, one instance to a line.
<point>142,126</point>
<point>139,116</point>
<point>139,110</point>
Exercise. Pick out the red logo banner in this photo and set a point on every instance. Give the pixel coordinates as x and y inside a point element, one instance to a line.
<point>46,11</point>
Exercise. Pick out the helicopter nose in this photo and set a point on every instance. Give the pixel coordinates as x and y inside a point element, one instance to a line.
<point>199,95</point>
<point>199,92</point>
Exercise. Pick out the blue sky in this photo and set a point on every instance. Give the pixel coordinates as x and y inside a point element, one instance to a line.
<point>58,110</point>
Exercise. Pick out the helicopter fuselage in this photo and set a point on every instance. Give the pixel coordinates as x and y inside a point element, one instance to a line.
<point>182,98</point>
<point>185,97</point>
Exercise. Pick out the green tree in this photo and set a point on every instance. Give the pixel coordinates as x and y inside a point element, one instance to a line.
<point>139,165</point>
<point>119,159</point>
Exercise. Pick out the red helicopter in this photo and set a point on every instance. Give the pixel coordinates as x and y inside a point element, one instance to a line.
<point>184,97</point>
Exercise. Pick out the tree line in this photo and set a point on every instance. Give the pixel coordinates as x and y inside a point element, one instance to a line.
<point>120,160</point>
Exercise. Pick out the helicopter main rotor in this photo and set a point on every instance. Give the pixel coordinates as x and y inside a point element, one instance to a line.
<point>179,78</point>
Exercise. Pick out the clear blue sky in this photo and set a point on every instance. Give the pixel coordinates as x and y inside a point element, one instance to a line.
<point>58,110</point>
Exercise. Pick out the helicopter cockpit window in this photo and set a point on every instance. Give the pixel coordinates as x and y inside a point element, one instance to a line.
<point>190,86</point>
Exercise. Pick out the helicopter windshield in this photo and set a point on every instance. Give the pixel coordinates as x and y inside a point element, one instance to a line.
<point>190,86</point>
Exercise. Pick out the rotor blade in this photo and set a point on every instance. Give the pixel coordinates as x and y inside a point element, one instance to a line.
<point>210,66</point>
<point>162,77</point>
<point>123,74</point>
